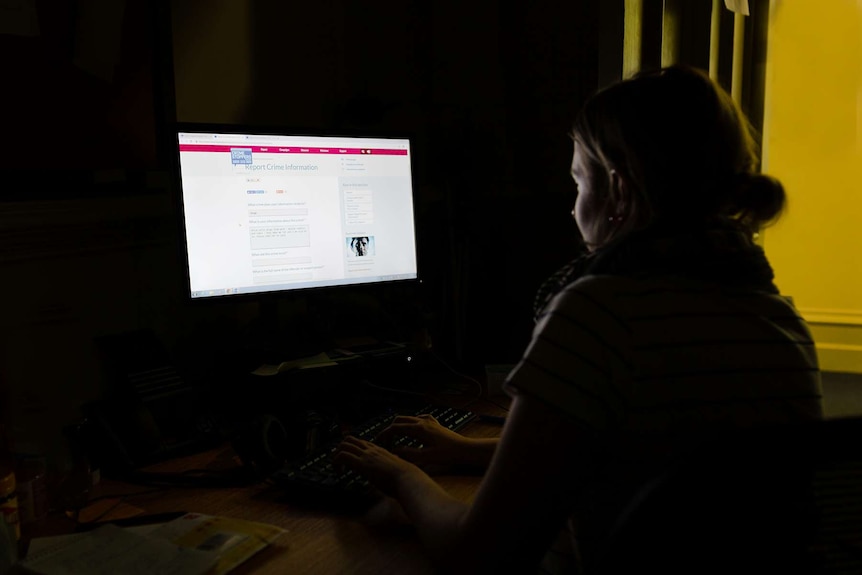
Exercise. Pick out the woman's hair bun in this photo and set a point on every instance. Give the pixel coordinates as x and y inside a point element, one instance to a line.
<point>757,199</point>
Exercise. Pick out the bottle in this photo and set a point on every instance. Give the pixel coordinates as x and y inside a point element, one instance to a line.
<point>32,491</point>
<point>73,489</point>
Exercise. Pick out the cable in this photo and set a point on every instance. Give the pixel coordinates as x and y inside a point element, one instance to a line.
<point>120,500</point>
<point>495,404</point>
<point>125,495</point>
<point>74,512</point>
<point>221,478</point>
<point>103,513</point>
<point>461,375</point>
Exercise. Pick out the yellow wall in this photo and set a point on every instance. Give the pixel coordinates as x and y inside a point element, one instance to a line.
<point>812,144</point>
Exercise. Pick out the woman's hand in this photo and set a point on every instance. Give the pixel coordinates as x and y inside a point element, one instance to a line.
<point>440,445</point>
<point>411,494</point>
<point>380,466</point>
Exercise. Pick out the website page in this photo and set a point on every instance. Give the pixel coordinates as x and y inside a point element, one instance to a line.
<point>268,213</point>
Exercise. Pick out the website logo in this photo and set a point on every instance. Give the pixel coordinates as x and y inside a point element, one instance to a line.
<point>240,156</point>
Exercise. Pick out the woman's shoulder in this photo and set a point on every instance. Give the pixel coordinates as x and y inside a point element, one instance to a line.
<point>615,286</point>
<point>658,292</point>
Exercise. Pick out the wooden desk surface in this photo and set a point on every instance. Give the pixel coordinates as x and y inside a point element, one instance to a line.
<point>317,541</point>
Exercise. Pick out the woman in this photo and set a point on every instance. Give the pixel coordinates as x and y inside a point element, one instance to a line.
<point>668,329</point>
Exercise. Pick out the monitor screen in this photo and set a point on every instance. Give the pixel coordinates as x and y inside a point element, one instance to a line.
<point>268,212</point>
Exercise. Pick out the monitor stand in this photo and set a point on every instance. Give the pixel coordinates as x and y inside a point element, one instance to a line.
<point>277,340</point>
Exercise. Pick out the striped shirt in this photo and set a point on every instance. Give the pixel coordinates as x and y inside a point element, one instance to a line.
<point>663,362</point>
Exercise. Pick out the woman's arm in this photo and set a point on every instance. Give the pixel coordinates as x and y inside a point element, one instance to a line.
<point>522,503</point>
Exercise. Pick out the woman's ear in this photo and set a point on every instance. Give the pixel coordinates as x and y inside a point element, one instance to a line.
<point>619,189</point>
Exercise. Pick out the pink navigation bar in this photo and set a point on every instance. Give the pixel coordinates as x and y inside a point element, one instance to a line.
<point>292,150</point>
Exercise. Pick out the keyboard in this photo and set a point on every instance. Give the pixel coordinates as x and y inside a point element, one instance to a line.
<point>316,477</point>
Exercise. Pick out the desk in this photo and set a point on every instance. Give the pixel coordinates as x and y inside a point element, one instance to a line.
<point>317,542</point>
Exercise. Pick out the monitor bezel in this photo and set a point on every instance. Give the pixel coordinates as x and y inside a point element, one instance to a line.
<point>275,130</point>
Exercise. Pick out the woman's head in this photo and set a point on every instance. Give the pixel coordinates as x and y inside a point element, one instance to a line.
<point>668,148</point>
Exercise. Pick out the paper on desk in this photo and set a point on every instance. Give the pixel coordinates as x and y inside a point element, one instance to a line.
<point>42,545</point>
<point>234,540</point>
<point>319,360</point>
<point>111,550</point>
<point>228,542</point>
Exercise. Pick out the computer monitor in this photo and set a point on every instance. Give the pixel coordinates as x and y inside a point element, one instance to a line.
<point>270,211</point>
